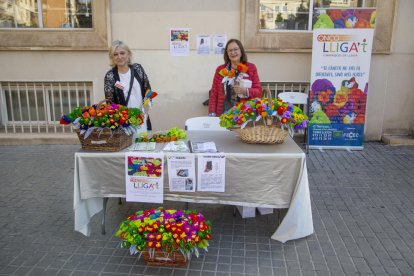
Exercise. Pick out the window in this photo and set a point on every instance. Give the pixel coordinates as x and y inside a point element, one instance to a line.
<point>53,24</point>
<point>291,29</point>
<point>46,14</point>
<point>297,14</point>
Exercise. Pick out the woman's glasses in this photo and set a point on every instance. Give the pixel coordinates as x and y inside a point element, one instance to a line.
<point>232,50</point>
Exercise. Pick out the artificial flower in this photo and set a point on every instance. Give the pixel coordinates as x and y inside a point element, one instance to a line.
<point>149,95</point>
<point>112,116</point>
<point>167,230</point>
<point>234,75</point>
<point>173,134</point>
<point>268,111</point>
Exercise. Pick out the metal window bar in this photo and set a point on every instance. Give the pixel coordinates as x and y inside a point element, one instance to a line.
<point>46,101</point>
<point>52,114</point>
<point>279,87</point>
<point>37,106</point>
<point>20,105</point>
<point>28,107</point>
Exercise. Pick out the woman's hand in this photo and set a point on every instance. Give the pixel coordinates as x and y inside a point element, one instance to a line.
<point>240,91</point>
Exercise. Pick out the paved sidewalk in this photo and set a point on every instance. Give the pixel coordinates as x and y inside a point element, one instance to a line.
<point>363,208</point>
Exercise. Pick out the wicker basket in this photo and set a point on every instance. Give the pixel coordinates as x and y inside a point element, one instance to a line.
<point>262,134</point>
<point>105,140</point>
<point>162,258</point>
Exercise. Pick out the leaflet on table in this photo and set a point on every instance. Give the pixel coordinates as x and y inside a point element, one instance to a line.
<point>143,146</point>
<point>211,172</point>
<point>181,172</point>
<point>144,177</point>
<point>197,147</point>
<point>178,146</point>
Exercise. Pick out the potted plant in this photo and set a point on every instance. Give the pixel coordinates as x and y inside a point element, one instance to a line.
<point>279,22</point>
<point>165,237</point>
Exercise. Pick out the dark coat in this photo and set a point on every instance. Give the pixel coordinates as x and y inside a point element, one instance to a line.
<point>116,95</point>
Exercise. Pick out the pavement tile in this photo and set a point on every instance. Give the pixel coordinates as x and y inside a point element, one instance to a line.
<point>361,203</point>
<point>179,272</point>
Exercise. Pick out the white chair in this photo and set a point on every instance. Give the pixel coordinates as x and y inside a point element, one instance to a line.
<point>300,99</point>
<point>204,123</point>
<point>294,97</point>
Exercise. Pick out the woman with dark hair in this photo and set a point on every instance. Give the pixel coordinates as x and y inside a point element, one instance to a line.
<point>127,82</point>
<point>234,80</point>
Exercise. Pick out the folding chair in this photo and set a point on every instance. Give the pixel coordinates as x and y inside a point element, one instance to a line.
<point>204,123</point>
<point>301,99</point>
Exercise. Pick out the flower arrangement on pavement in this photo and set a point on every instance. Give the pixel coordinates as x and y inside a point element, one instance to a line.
<point>101,116</point>
<point>268,111</point>
<point>167,230</point>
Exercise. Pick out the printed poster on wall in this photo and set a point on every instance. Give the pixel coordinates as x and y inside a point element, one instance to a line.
<point>144,177</point>
<point>203,44</point>
<point>179,42</point>
<point>219,42</point>
<point>341,57</point>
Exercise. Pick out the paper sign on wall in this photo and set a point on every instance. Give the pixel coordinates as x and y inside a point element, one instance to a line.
<point>179,42</point>
<point>219,42</point>
<point>203,44</point>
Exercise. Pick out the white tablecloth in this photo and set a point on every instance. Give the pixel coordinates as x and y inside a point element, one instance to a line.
<point>269,176</point>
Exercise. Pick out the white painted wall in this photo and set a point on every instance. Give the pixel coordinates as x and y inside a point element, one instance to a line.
<point>183,82</point>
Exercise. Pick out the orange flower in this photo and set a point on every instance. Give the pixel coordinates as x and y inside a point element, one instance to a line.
<point>241,67</point>
<point>223,72</point>
<point>92,111</point>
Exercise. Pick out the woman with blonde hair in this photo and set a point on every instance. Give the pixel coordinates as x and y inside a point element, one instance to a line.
<point>127,82</point>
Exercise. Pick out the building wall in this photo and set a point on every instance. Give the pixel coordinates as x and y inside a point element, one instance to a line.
<point>183,82</point>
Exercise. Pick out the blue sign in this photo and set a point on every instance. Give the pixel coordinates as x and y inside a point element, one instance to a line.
<point>344,135</point>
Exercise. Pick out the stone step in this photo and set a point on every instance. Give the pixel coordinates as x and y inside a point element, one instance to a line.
<point>39,139</point>
<point>398,140</point>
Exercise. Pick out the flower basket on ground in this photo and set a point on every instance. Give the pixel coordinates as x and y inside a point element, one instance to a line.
<point>264,120</point>
<point>104,126</point>
<point>165,237</point>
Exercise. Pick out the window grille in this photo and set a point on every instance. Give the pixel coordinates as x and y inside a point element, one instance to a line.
<point>279,87</point>
<point>36,107</point>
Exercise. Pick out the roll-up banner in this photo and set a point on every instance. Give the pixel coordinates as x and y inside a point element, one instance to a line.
<point>341,57</point>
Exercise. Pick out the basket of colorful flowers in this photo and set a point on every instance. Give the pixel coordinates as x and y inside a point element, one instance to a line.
<point>165,237</point>
<point>264,120</point>
<point>104,126</point>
